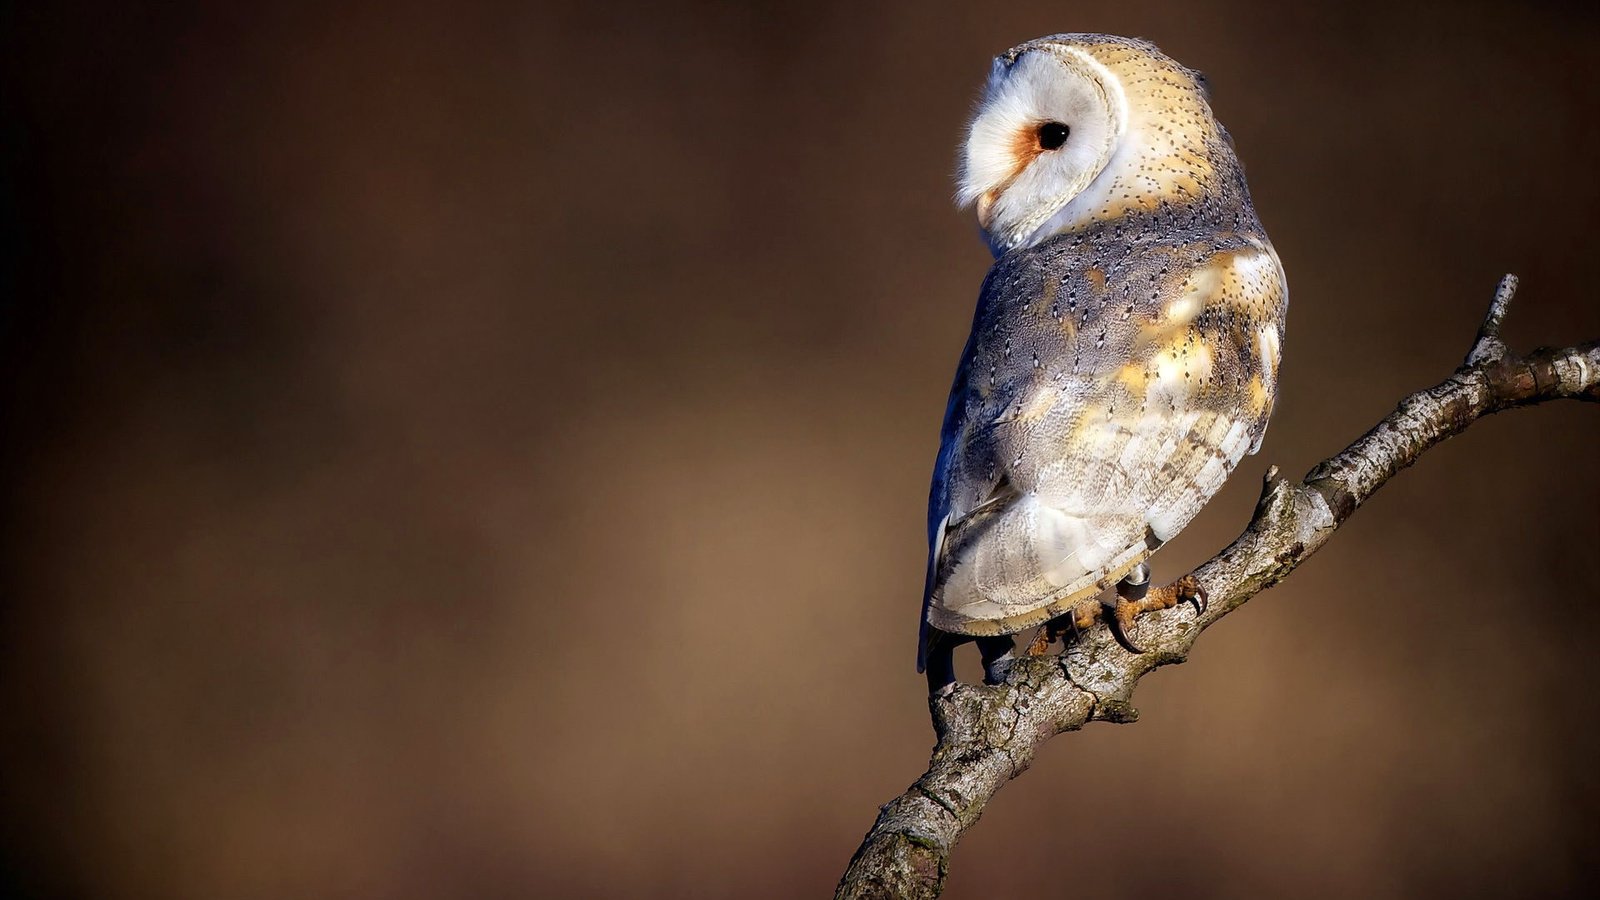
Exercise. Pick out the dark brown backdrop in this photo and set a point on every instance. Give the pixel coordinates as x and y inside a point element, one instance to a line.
<point>479,451</point>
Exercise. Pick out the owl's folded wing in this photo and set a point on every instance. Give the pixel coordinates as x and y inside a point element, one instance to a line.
<point>1053,483</point>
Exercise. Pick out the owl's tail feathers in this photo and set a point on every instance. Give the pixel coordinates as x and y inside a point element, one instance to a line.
<point>924,636</point>
<point>936,656</point>
<point>925,633</point>
<point>1030,553</point>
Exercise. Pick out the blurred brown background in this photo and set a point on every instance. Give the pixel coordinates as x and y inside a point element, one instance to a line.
<point>474,450</point>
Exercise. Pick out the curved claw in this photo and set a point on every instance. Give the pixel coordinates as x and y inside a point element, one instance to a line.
<point>1122,636</point>
<point>1201,601</point>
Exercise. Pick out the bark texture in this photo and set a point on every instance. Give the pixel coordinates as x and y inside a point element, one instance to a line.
<point>988,735</point>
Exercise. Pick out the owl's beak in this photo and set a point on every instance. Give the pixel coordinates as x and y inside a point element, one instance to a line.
<point>985,209</point>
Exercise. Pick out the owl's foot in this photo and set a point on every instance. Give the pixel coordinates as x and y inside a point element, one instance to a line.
<point>1134,598</point>
<point>1080,617</point>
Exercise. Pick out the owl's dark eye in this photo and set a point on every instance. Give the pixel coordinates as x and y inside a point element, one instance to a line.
<point>1052,135</point>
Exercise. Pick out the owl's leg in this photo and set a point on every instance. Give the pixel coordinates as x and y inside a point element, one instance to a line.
<point>941,658</point>
<point>1135,597</point>
<point>996,653</point>
<point>1132,593</point>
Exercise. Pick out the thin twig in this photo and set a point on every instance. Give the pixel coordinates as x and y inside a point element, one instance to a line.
<point>1489,347</point>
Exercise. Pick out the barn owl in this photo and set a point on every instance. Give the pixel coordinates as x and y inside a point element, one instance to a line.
<point>1124,353</point>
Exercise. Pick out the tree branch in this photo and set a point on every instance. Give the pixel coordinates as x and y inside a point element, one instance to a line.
<point>988,735</point>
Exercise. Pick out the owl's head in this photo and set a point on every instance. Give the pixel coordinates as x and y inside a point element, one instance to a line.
<point>1060,118</point>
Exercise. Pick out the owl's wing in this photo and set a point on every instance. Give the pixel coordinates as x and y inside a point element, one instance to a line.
<point>939,490</point>
<point>1075,445</point>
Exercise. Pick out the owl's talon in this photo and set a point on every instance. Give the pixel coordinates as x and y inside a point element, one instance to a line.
<point>1125,610</point>
<point>1188,590</point>
<point>1134,598</point>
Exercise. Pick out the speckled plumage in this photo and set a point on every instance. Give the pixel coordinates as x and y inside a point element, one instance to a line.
<point>1124,354</point>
